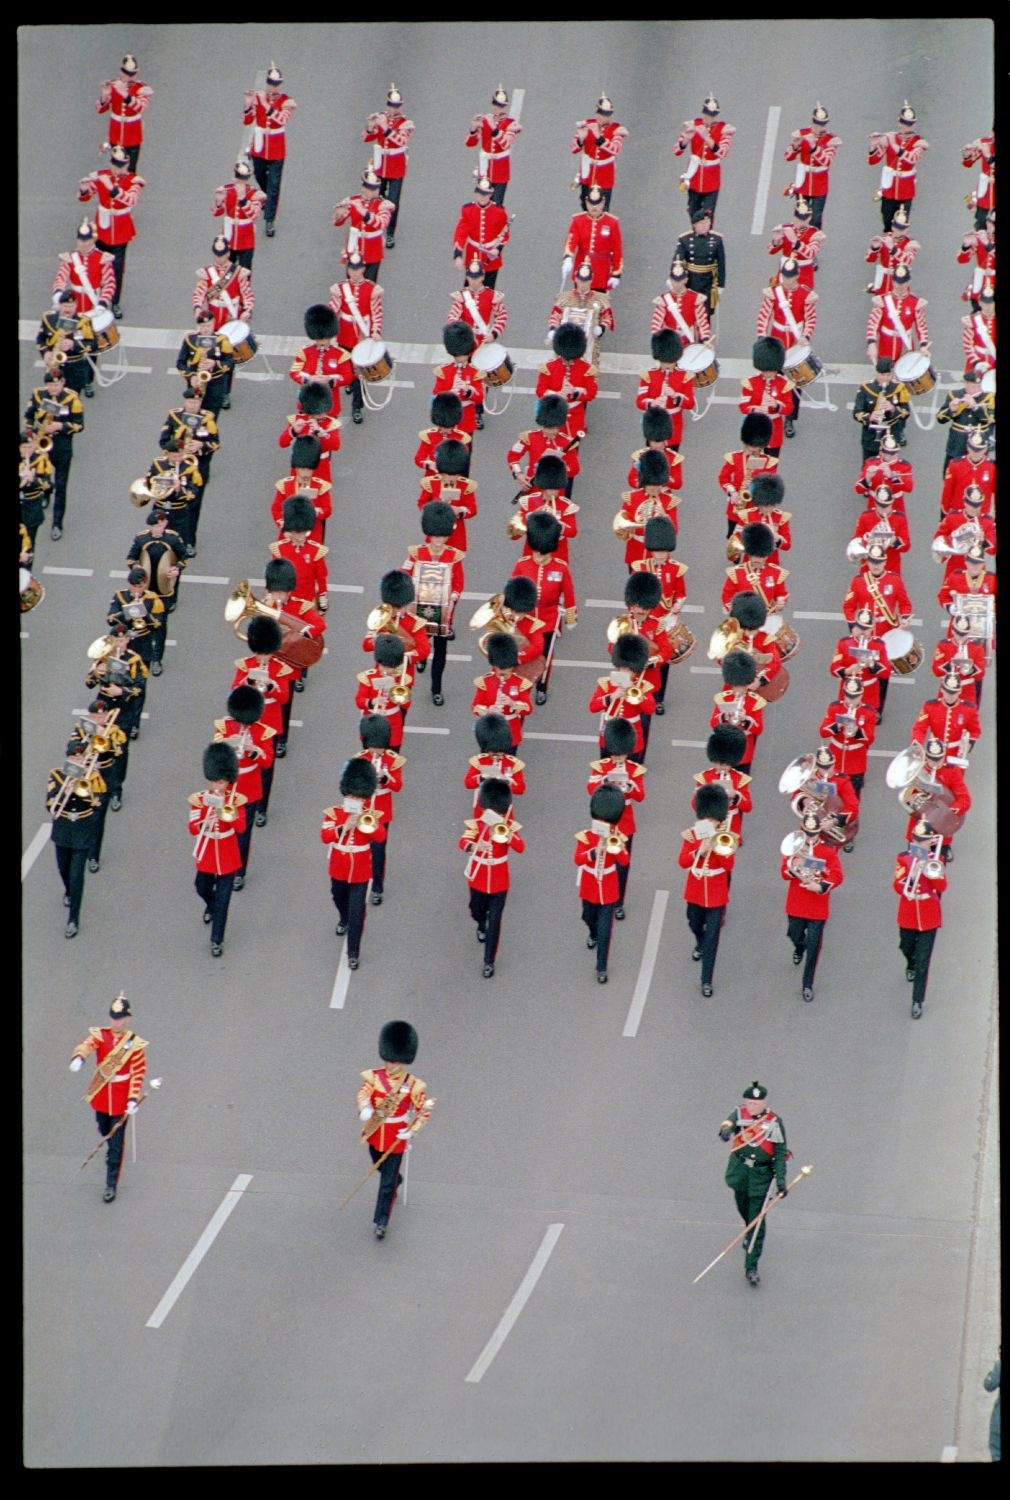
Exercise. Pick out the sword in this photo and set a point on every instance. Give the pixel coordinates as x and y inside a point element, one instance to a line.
<point>766,1209</point>
<point>155,1084</point>
<point>376,1165</point>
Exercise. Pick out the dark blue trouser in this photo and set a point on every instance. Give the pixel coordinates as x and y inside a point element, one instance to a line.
<point>215,893</point>
<point>389,1181</point>
<point>114,1150</point>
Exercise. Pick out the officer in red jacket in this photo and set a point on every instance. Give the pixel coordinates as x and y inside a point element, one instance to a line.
<point>313,419</point>
<point>449,483</point>
<point>268,111</point>
<point>616,769</point>
<point>481,231</point>
<point>350,830</point>
<point>116,1087</point>
<point>746,464</point>
<point>392,1107</point>
<point>595,236</point>
<point>389,130</point>
<point>304,480</point>
<point>375,733</point>
<point>124,100</point>
<point>812,873</point>
<point>308,558</point>
<point>487,841</point>
<point>216,819</point>
<point>601,853</point>
<point>919,882</point>
<point>708,857</point>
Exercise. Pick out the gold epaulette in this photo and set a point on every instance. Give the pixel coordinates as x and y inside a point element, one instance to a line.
<point>583,836</point>
<point>321,551</point>
<point>544,370</point>
<point>364,679</point>
<point>470,828</point>
<point>759,702</point>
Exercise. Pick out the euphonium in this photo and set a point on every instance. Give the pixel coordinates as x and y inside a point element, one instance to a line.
<point>620,625</point>
<point>379,619</point>
<point>487,612</point>
<point>724,637</point>
<point>242,603</point>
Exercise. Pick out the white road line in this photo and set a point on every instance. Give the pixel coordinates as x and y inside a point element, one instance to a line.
<point>648,963</point>
<point>949,1455</point>
<point>688,744</point>
<point>517,1304</point>
<point>518,95</point>
<point>345,588</point>
<point>120,369</point>
<point>423,729</point>
<point>529,390</point>
<point>339,992</point>
<point>296,724</point>
<point>688,609</point>
<point>199,1250</point>
<point>574,739</point>
<point>204,578</point>
<point>457,656</point>
<point>35,848</point>
<point>828,614</point>
<point>71,572</point>
<point>567,661</point>
<point>707,671</point>
<point>765,174</point>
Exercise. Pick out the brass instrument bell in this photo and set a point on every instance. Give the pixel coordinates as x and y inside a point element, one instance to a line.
<point>725,636</point>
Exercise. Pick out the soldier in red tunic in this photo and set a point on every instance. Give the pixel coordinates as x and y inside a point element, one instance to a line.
<point>849,727</point>
<point>118,191</point>
<point>919,882</point>
<point>264,670</point>
<point>707,140</point>
<point>216,818</point>
<point>389,130</point>
<point>252,740</point>
<point>813,872</point>
<point>124,100</point>
<point>446,416</point>
<point>667,386</point>
<point>625,693</point>
<point>768,392</point>
<point>313,419</point>
<point>595,236</point>
<point>569,374</point>
<point>737,704</point>
<point>897,152</point>
<point>813,150</point>
<point>503,690</point>
<point>553,434</point>
<point>616,769</point>
<point>323,359</point>
<point>480,233</point>
<point>438,567</point>
<point>554,588</point>
<point>600,854</point>
<point>597,143</point>
<point>708,864</point>
<point>449,483</point>
<point>495,758</point>
<point>392,1107</point>
<point>494,134</point>
<point>357,303</point>
<point>385,688</point>
<point>376,736</point>
<point>487,840</point>
<point>240,205</point>
<point>370,217</point>
<point>268,112</point>
<point>117,1085</point>
<point>460,377</point>
<point>350,830</point>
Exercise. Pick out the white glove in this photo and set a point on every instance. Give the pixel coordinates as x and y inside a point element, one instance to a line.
<point>566,267</point>
<point>614,283</point>
<point>131,1108</point>
<point>77,1065</point>
<point>404,1135</point>
<point>598,331</point>
<point>366,1113</point>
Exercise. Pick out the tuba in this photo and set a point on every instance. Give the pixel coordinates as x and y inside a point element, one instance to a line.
<point>296,649</point>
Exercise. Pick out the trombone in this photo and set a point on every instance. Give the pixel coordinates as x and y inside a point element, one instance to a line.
<point>78,786</point>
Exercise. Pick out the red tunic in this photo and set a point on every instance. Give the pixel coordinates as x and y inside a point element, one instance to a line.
<point>887,252</point>
<point>597,867</point>
<point>673,458</point>
<point>608,706</point>
<point>737,785</point>
<point>389,134</point>
<point>373,697</point>
<point>897,473</point>
<point>565,512</point>
<point>968,661</point>
<point>125,107</point>
<point>508,695</point>
<point>329,364</point>
<point>495,137</point>
<point>707,882</point>
<point>813,151</point>
<point>369,224</point>
<point>273,680</point>
<point>462,380</point>
<point>850,751</point>
<point>481,232</point>
<point>430,438</point>
<point>359,311</point>
<point>453,490</point>
<point>485,311</point>
<point>530,447</point>
<point>350,846</point>
<point>326,429</point>
<point>127,1083</point>
<point>640,506</point>
<point>737,471</point>
<point>752,720</point>
<point>499,767</point>
<point>896,522</point>
<point>961,472</point>
<point>767,579</point>
<point>598,146</point>
<point>320,492</point>
<point>255,753</point>
<point>801,244</point>
<point>789,316</point>
<point>389,770</point>
<point>771,394</point>
<point>377,1086</point>
<point>872,674</point>
<point>978,340</point>
<point>268,118</point>
<point>952,778</point>
<point>670,389</point>
<point>629,776</point>
<point>810,904</point>
<point>227,293</point>
<point>309,562</point>
<point>982,151</point>
<point>575,380</point>
<point>240,207</point>
<point>416,641</point>
<point>599,242</point>
<point>216,849</point>
<point>885,597</point>
<point>897,325</point>
<point>919,909</point>
<point>554,586</point>
<point>114,217</point>
<point>487,866</point>
<point>897,155</point>
<point>707,143</point>
<point>686,314</point>
<point>91,276</point>
<point>948,723</point>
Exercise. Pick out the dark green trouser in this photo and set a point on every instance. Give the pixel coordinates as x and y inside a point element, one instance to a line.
<point>749,1203</point>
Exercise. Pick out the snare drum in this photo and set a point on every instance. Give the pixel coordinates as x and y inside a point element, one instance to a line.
<point>682,643</point>
<point>699,361</point>
<point>241,340</point>
<point>104,324</point>
<point>800,365</point>
<point>903,650</point>
<point>372,360</point>
<point>784,637</point>
<point>915,372</point>
<point>494,364</point>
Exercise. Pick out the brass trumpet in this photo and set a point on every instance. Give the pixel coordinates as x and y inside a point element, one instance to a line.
<point>615,841</point>
<point>368,821</point>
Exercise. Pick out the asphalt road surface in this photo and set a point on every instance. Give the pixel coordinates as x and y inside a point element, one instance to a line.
<point>572,1173</point>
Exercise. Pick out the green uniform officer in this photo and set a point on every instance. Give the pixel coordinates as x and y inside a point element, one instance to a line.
<point>758,1156</point>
